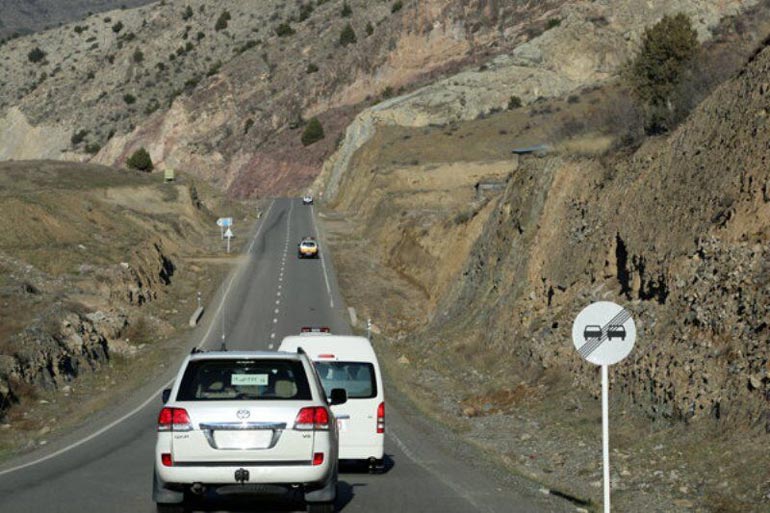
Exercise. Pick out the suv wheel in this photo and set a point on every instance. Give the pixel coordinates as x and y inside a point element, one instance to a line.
<point>320,507</point>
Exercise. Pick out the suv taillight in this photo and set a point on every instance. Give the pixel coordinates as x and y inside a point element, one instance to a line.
<point>174,419</point>
<point>381,418</point>
<point>312,419</point>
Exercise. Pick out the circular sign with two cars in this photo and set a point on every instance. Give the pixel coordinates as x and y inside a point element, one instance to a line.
<point>604,333</point>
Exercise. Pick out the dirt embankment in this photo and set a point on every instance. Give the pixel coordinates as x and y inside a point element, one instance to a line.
<point>93,270</point>
<point>476,298</point>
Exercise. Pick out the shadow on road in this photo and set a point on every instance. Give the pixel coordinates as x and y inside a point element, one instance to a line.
<point>356,467</point>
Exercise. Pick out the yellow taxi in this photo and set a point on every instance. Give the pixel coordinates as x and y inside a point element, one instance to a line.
<point>308,248</point>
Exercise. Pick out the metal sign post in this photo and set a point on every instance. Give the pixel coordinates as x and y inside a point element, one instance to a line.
<point>224,222</point>
<point>604,334</point>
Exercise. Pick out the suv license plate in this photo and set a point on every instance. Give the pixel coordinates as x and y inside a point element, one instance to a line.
<point>246,439</point>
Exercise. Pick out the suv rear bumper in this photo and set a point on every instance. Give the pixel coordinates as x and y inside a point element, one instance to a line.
<point>288,473</point>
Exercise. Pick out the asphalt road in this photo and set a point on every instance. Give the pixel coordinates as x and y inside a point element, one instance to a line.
<point>107,465</point>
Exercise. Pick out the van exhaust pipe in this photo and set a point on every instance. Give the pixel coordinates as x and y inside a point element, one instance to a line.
<point>197,488</point>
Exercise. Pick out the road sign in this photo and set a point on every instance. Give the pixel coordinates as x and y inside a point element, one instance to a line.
<point>604,333</point>
<point>225,221</point>
<point>229,234</point>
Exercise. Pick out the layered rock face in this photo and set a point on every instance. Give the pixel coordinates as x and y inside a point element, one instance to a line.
<point>228,102</point>
<point>679,232</point>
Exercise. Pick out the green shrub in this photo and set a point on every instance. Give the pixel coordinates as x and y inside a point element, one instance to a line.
<point>654,73</point>
<point>80,29</point>
<point>140,160</point>
<point>117,27</point>
<point>387,93</point>
<point>93,148</point>
<point>188,47</point>
<point>199,36</point>
<point>397,5</point>
<point>514,102</point>
<point>305,10</point>
<point>346,10</point>
<point>188,13</point>
<point>152,106</point>
<point>247,126</point>
<point>214,69</point>
<point>138,56</point>
<point>311,68</point>
<point>129,98</point>
<point>78,137</point>
<point>221,23</point>
<point>36,55</point>
<point>552,23</point>
<point>284,29</point>
<point>348,35</point>
<point>313,132</point>
<point>369,28</point>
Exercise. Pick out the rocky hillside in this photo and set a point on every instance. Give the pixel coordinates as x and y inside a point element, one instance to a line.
<point>224,93</point>
<point>677,230</point>
<point>473,263</point>
<point>86,256</point>
<point>18,17</point>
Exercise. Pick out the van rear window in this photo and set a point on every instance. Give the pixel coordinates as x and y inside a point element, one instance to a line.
<point>232,380</point>
<point>357,378</point>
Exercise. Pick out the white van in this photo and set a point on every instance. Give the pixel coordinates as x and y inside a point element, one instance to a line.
<point>349,362</point>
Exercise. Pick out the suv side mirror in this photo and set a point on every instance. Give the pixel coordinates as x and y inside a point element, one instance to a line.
<point>338,396</point>
<point>165,395</point>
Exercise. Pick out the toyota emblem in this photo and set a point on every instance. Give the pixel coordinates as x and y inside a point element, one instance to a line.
<point>243,414</point>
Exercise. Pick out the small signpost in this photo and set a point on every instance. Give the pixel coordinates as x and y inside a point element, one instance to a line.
<point>224,222</point>
<point>229,235</point>
<point>604,334</point>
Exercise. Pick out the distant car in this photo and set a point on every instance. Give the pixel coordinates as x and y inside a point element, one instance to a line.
<point>592,331</point>
<point>616,331</point>
<point>307,199</point>
<point>247,422</point>
<point>308,248</point>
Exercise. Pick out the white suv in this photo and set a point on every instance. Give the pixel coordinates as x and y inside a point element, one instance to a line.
<point>247,422</point>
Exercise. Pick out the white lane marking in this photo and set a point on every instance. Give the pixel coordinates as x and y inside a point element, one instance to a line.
<point>270,346</point>
<point>232,278</point>
<point>462,492</point>
<point>280,278</point>
<point>272,335</point>
<point>323,260</point>
<point>153,397</point>
<point>279,292</point>
<point>280,286</point>
<point>251,247</point>
<point>276,310</point>
<point>275,321</point>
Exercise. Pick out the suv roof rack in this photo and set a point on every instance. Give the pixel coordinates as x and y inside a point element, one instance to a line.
<point>196,350</point>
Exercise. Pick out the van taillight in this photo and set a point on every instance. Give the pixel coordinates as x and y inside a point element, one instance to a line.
<point>165,458</point>
<point>381,418</point>
<point>174,419</point>
<point>318,458</point>
<point>312,419</point>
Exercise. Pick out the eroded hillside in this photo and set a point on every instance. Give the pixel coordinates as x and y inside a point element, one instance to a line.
<point>97,268</point>
<point>474,263</point>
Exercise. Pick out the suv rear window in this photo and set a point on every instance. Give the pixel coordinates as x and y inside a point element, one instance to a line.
<point>229,380</point>
<point>355,377</point>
